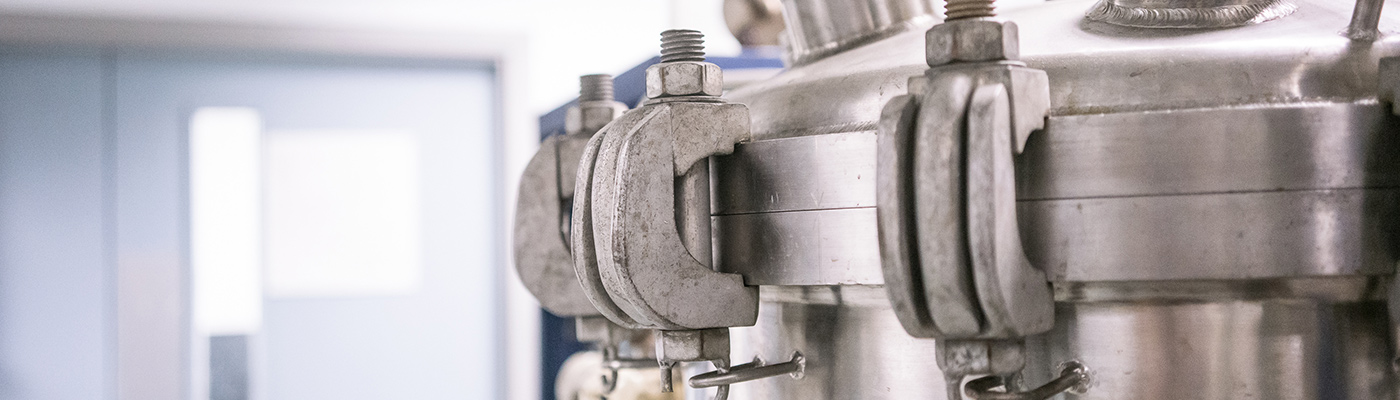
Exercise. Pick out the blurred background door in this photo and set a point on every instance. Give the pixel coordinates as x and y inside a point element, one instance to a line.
<point>416,320</point>
<point>168,229</point>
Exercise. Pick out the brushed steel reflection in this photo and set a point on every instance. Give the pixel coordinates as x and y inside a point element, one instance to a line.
<point>1277,349</point>
<point>1214,236</point>
<point>853,352</point>
<point>829,247</point>
<point>1210,236</point>
<point>1261,148</point>
<point>804,173</point>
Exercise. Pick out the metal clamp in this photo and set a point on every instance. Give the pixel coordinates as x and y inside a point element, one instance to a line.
<point>1074,377</point>
<point>949,240</point>
<point>641,217</point>
<point>755,370</point>
<point>647,276</point>
<point>642,213</point>
<point>950,243</point>
<point>542,255</point>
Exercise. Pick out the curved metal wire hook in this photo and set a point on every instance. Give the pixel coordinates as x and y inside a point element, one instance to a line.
<point>723,377</point>
<point>1073,377</point>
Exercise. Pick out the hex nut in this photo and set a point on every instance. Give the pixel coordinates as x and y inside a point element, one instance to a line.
<point>590,116</point>
<point>597,114</point>
<point>693,345</point>
<point>684,78</point>
<point>972,40</point>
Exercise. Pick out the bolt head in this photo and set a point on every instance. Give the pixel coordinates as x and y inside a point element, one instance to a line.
<point>684,78</point>
<point>590,116</point>
<point>693,345</point>
<point>972,40</point>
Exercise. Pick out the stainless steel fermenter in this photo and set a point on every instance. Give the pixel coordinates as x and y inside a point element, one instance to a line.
<point>1089,199</point>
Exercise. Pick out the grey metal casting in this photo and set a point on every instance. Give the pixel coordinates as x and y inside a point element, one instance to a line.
<point>542,255</point>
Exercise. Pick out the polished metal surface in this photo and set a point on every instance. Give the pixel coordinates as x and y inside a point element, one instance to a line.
<point>1272,349</point>
<point>1189,14</point>
<point>1215,210</point>
<point>1097,68</point>
<point>1365,20</point>
<point>1214,236</point>
<point>817,28</point>
<point>853,351</point>
<point>805,173</point>
<point>1262,148</point>
<point>827,247</point>
<point>1340,289</point>
<point>755,22</point>
<point>1252,192</point>
<point>1304,146</point>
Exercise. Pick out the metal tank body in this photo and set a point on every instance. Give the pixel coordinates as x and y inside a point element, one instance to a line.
<point>1078,199</point>
<point>1215,208</point>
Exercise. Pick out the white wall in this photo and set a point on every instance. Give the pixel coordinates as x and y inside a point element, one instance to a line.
<point>550,43</point>
<point>564,38</point>
<point>54,231</point>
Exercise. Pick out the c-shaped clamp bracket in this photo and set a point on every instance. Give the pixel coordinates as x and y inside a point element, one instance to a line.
<point>629,254</point>
<point>541,235</point>
<point>541,245</point>
<point>950,245</point>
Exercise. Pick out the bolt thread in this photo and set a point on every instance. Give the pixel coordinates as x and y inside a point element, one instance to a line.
<point>964,9</point>
<point>595,87</point>
<point>682,45</point>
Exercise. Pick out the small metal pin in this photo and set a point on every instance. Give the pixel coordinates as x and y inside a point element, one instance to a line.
<point>666,378</point>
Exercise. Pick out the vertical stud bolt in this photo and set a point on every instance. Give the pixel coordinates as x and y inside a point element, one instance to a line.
<point>682,45</point>
<point>597,87</point>
<point>965,9</point>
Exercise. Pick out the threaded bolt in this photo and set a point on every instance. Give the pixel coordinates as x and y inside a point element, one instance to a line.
<point>596,87</point>
<point>964,9</point>
<point>682,45</point>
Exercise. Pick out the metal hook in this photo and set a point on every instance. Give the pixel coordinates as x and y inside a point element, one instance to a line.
<point>1073,377</point>
<point>751,371</point>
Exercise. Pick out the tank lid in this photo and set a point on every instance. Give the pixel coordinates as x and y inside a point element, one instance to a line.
<point>818,28</point>
<point>1189,14</point>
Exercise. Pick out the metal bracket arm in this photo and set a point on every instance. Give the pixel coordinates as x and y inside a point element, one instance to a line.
<point>951,246</point>
<point>642,266</point>
<point>752,371</point>
<point>542,256</point>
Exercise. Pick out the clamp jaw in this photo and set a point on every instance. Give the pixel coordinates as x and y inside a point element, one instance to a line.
<point>629,252</point>
<point>541,237</point>
<point>950,246</point>
<point>642,219</point>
